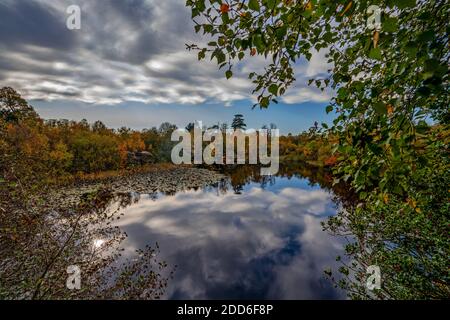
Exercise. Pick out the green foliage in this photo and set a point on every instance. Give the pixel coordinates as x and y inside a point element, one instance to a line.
<point>391,86</point>
<point>158,140</point>
<point>407,238</point>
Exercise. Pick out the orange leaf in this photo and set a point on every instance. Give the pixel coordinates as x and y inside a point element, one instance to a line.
<point>390,109</point>
<point>224,8</point>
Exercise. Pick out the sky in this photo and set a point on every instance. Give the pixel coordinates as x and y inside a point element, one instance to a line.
<point>128,66</point>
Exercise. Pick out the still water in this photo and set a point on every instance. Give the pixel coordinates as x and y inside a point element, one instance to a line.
<point>246,238</point>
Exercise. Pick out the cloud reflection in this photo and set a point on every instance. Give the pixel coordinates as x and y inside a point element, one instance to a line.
<point>262,244</point>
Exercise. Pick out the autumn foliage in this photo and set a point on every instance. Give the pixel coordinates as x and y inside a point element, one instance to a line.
<point>58,150</point>
<point>311,147</point>
<point>224,8</point>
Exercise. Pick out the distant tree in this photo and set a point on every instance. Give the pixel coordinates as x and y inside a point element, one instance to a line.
<point>238,122</point>
<point>165,144</point>
<point>62,123</point>
<point>13,107</point>
<point>215,126</point>
<point>190,127</point>
<point>167,128</point>
<point>313,130</point>
<point>83,124</point>
<point>99,127</point>
<point>124,131</point>
<point>51,123</point>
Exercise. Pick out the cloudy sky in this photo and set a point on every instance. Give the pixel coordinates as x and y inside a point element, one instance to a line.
<point>128,66</point>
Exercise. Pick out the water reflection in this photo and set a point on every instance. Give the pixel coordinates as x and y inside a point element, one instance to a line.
<point>251,238</point>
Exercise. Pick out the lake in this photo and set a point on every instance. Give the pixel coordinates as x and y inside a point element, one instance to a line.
<point>249,237</point>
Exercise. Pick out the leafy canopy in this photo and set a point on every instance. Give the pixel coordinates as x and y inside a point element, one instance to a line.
<point>388,82</point>
<point>392,119</point>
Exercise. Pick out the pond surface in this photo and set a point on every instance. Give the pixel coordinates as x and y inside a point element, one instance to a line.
<point>247,238</point>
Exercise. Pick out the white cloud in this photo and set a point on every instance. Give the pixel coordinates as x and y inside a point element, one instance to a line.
<point>126,51</point>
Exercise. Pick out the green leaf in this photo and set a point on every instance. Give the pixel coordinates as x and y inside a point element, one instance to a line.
<point>426,36</point>
<point>208,28</point>
<point>264,102</point>
<point>271,4</point>
<point>258,42</point>
<point>273,89</point>
<point>254,5</point>
<point>342,93</point>
<point>281,32</point>
<point>220,57</point>
<point>380,108</point>
<point>225,18</point>
<point>390,24</point>
<point>402,4</point>
<point>329,109</point>
<point>375,53</point>
<point>229,74</point>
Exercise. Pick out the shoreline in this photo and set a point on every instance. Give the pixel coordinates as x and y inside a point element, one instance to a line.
<point>168,179</point>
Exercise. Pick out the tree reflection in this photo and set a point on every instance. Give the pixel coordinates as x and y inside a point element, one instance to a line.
<point>83,236</point>
<point>316,176</point>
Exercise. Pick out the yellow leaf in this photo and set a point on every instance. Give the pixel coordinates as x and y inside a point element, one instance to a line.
<point>347,7</point>
<point>376,37</point>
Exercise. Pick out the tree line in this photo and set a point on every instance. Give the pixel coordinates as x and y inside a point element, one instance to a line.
<point>62,149</point>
